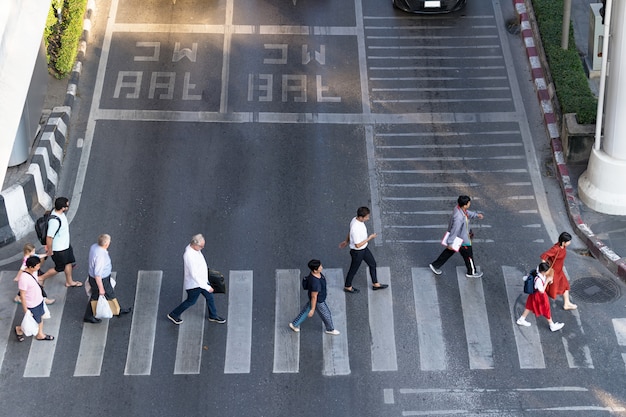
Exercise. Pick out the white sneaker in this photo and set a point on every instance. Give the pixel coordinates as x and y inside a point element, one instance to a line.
<point>435,270</point>
<point>294,328</point>
<point>522,322</point>
<point>334,332</point>
<point>554,326</point>
<point>474,275</point>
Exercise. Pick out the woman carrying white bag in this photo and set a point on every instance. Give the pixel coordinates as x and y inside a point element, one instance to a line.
<point>32,302</point>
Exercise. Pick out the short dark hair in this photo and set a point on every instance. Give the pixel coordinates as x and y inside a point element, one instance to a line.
<point>463,200</point>
<point>362,212</point>
<point>314,264</point>
<point>564,237</point>
<point>60,202</point>
<point>543,267</point>
<point>32,261</point>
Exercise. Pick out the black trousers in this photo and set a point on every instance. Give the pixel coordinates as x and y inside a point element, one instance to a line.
<point>359,256</point>
<point>109,293</point>
<point>467,254</point>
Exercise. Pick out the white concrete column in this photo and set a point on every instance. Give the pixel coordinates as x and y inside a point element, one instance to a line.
<point>601,186</point>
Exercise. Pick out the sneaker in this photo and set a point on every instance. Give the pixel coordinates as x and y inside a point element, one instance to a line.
<point>435,270</point>
<point>475,275</point>
<point>217,319</point>
<point>554,326</point>
<point>523,322</point>
<point>334,332</point>
<point>175,320</point>
<point>294,328</point>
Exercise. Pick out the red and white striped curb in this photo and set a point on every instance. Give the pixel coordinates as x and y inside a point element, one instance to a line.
<point>602,252</point>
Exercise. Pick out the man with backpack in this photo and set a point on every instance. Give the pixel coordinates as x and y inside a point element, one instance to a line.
<point>315,283</point>
<point>58,244</point>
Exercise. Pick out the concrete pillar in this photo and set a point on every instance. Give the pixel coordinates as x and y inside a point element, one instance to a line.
<point>601,186</point>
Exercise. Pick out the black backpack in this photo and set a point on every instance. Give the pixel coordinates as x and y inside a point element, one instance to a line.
<point>529,282</point>
<point>41,226</point>
<point>305,283</point>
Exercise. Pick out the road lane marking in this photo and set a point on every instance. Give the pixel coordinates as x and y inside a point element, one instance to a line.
<point>476,321</point>
<point>93,340</point>
<point>8,289</point>
<point>335,348</point>
<point>382,329</point>
<point>573,337</point>
<point>143,325</point>
<point>41,355</point>
<point>432,346</point>
<point>287,306</point>
<point>527,341</point>
<point>239,336</point>
<point>190,338</point>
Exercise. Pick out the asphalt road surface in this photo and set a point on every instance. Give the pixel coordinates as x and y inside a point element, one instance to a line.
<point>265,126</point>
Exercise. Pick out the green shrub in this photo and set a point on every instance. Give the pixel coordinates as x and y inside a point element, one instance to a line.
<point>61,39</point>
<point>566,68</point>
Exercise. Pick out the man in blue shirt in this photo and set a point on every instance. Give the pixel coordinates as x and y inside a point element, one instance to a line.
<point>100,278</point>
<point>316,285</point>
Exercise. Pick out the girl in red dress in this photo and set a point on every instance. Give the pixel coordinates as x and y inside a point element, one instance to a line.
<point>555,257</point>
<point>538,302</point>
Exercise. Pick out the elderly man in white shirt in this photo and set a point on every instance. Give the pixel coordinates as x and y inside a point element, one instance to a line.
<point>100,268</point>
<point>196,282</point>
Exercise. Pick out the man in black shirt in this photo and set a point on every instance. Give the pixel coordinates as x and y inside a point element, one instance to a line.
<point>316,286</point>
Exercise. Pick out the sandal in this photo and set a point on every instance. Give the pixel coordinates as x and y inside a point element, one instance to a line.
<point>20,337</point>
<point>75,284</point>
<point>47,337</point>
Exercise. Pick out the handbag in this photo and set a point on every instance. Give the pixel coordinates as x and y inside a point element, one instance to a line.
<point>103,311</point>
<point>217,282</point>
<point>46,312</point>
<point>29,326</point>
<point>113,305</point>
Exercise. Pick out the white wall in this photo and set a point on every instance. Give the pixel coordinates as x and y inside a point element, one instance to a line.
<point>22,23</point>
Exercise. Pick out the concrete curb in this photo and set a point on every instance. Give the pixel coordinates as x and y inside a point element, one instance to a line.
<point>530,36</point>
<point>34,192</point>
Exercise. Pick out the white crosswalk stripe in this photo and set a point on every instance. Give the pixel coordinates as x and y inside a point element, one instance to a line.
<point>380,309</point>
<point>143,325</point>
<point>433,348</point>
<point>92,343</point>
<point>529,350</point>
<point>476,321</point>
<point>286,341</point>
<point>239,336</point>
<point>41,355</point>
<point>190,337</point>
<point>336,356</point>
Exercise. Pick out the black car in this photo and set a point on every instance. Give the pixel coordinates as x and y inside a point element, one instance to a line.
<point>429,6</point>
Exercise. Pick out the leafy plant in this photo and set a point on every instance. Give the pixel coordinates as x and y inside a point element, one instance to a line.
<point>566,67</point>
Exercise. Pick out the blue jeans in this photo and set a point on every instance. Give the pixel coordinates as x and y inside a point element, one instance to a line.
<point>322,309</point>
<point>192,297</point>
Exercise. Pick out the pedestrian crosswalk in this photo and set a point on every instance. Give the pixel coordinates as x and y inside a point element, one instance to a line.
<point>435,351</point>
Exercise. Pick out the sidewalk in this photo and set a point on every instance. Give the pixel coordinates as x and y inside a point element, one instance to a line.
<point>604,235</point>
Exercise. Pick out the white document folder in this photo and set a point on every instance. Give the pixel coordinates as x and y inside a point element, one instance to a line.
<point>456,245</point>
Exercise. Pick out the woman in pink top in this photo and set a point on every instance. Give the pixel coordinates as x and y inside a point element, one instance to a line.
<point>31,297</point>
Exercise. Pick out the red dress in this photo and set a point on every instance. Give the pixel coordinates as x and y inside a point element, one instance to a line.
<point>538,302</point>
<point>556,257</point>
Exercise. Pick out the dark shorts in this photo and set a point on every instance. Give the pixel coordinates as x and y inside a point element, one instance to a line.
<point>63,258</point>
<point>37,312</point>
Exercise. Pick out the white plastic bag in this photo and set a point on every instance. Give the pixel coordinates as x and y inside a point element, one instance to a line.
<point>29,326</point>
<point>87,287</point>
<point>103,310</point>
<point>46,311</point>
